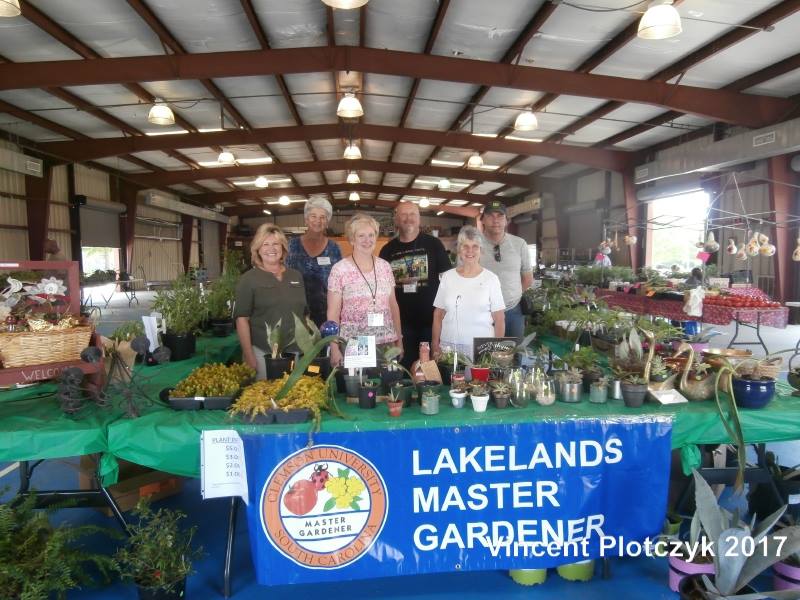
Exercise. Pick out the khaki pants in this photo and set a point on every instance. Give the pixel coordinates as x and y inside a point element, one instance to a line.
<point>261,364</point>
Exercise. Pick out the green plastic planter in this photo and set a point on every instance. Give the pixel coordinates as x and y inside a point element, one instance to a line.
<point>528,576</point>
<point>579,571</point>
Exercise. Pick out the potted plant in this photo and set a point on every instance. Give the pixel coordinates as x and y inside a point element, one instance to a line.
<point>368,393</point>
<point>307,335</point>
<point>39,560</point>
<point>429,401</point>
<point>733,571</point>
<point>632,366</point>
<point>182,308</point>
<point>391,369</point>
<point>661,377</point>
<point>219,304</point>
<point>578,571</point>
<point>634,390</point>
<point>479,394</point>
<point>395,403</point>
<point>571,385</point>
<point>528,576</point>
<point>158,553</point>
<point>276,362</point>
<point>481,369</point>
<point>403,389</point>
<point>585,360</point>
<point>598,391</point>
<point>451,361</point>
<point>458,397</point>
<point>501,392</point>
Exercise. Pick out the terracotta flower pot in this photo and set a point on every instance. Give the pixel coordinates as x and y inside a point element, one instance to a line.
<point>395,408</point>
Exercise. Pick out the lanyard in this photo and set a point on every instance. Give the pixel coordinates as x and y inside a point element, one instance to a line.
<point>372,292</point>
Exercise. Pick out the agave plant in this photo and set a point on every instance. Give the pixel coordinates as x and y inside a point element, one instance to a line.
<point>733,569</point>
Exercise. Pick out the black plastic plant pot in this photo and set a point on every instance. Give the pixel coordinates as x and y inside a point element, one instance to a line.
<point>445,371</point>
<point>221,327</point>
<point>176,593</point>
<point>633,394</point>
<point>588,378</point>
<point>403,390</point>
<point>277,367</point>
<point>292,416</point>
<point>320,366</point>
<point>367,396</point>
<point>181,346</point>
<point>217,402</point>
<point>262,419</point>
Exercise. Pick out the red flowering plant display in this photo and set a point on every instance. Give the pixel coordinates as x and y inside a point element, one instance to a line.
<point>35,306</point>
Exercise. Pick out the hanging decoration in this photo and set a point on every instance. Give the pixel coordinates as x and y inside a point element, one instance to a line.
<point>796,253</point>
<point>753,246</point>
<point>711,244</point>
<point>731,249</point>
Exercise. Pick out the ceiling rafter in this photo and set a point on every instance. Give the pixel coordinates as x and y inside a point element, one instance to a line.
<point>437,25</point>
<point>341,164</point>
<point>732,37</point>
<point>614,160</point>
<point>722,105</point>
<point>467,212</point>
<point>46,24</point>
<point>308,190</point>
<point>255,25</point>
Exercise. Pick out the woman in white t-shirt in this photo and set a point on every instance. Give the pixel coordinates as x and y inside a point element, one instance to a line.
<point>469,302</point>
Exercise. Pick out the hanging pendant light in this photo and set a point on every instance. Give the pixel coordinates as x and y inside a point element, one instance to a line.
<point>349,107</point>
<point>226,158</point>
<point>284,201</point>
<point>262,182</point>
<point>353,178</point>
<point>352,152</point>
<point>10,8</point>
<point>526,121</point>
<point>354,197</point>
<point>424,203</point>
<point>444,184</point>
<point>475,161</point>
<point>160,113</point>
<point>660,22</point>
<point>345,4</point>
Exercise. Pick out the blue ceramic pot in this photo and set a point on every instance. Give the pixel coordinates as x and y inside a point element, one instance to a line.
<point>753,394</point>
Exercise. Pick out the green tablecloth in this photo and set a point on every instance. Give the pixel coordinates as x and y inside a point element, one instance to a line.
<point>169,440</point>
<point>32,425</point>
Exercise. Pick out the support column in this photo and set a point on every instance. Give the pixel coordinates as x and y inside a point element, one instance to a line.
<point>186,240</point>
<point>75,202</point>
<point>37,207</point>
<point>782,201</point>
<point>127,193</point>
<point>222,235</point>
<point>632,216</point>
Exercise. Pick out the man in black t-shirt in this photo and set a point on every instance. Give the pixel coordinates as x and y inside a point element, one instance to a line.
<point>417,260</point>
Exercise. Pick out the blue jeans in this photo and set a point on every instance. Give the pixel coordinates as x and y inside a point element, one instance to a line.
<point>515,322</point>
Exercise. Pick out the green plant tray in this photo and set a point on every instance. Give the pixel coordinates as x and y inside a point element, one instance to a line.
<point>196,402</point>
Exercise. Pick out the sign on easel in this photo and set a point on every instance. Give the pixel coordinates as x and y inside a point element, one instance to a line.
<point>481,346</point>
<point>223,472</point>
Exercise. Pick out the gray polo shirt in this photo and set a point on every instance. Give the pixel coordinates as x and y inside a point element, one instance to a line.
<point>514,261</point>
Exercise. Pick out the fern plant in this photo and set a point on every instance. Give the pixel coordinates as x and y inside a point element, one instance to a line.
<point>39,561</point>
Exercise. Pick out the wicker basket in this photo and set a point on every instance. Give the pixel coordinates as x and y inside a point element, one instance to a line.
<point>28,348</point>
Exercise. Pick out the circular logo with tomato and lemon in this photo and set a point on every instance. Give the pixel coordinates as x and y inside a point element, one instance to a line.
<point>323,507</point>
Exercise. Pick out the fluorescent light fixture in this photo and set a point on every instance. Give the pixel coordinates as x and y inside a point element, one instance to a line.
<point>267,160</point>
<point>473,204</point>
<point>487,135</point>
<point>280,180</point>
<point>458,202</point>
<point>284,201</point>
<point>352,152</point>
<point>475,161</point>
<point>210,130</point>
<point>226,158</point>
<point>447,163</point>
<point>424,203</point>
<point>10,8</point>
<point>354,197</point>
<point>349,107</point>
<point>160,113</point>
<point>173,132</point>
<point>517,138</point>
<point>261,182</point>
<point>439,213</point>
<point>353,178</point>
<point>660,22</point>
<point>345,4</point>
<point>267,211</point>
<point>444,184</point>
<point>526,121</point>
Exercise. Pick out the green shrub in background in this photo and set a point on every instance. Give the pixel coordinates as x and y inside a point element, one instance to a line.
<point>181,305</point>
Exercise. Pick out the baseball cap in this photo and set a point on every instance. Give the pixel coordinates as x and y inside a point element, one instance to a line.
<point>494,206</point>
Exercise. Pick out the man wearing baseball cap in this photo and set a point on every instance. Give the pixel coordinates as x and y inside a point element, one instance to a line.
<point>507,257</point>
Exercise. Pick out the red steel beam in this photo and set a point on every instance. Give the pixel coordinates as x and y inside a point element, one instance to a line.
<point>185,176</point>
<point>613,160</point>
<point>216,197</point>
<point>722,105</point>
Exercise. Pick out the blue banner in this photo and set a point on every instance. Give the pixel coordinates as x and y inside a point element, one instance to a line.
<point>529,495</point>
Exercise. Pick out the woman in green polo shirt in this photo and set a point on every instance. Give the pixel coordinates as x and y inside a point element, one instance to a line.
<point>267,293</point>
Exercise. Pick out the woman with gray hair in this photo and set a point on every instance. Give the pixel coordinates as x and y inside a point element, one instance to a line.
<point>313,254</point>
<point>469,302</point>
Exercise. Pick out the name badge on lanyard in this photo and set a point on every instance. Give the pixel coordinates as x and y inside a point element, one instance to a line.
<point>323,261</point>
<point>375,319</point>
<point>410,288</point>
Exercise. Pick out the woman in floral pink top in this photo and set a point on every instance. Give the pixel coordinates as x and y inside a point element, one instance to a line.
<point>361,290</point>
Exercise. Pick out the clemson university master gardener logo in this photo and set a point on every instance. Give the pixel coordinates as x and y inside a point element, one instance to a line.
<point>323,507</point>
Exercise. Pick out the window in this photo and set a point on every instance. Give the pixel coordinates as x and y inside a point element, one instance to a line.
<point>99,259</point>
<point>677,224</point>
